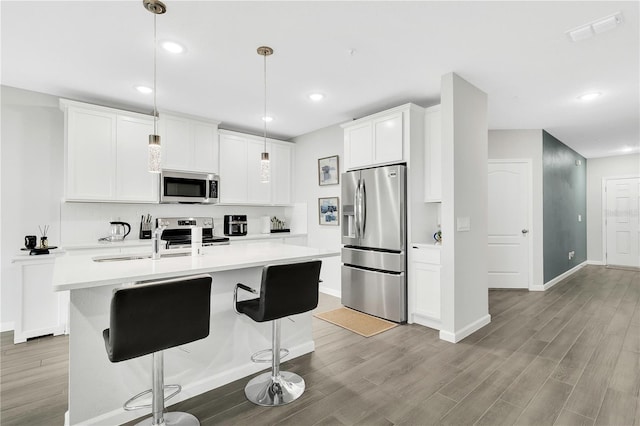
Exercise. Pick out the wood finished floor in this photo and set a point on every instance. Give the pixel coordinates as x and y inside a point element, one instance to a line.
<point>567,356</point>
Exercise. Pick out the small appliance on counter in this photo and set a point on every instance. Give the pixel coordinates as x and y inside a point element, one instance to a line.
<point>117,232</point>
<point>177,232</point>
<point>235,224</point>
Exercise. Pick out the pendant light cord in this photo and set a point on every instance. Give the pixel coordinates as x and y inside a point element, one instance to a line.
<point>155,54</point>
<point>265,103</point>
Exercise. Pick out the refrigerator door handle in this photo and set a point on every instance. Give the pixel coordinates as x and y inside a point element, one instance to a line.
<point>363,208</point>
<point>356,213</point>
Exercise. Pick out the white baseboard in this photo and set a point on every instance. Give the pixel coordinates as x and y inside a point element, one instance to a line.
<point>559,278</point>
<point>7,326</point>
<point>457,336</point>
<point>595,262</point>
<point>426,321</point>
<point>120,416</point>
<point>330,291</point>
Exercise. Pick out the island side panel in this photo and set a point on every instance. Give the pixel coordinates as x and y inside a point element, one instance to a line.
<point>99,388</point>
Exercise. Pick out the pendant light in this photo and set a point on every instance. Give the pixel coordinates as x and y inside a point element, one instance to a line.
<point>157,8</point>
<point>264,157</point>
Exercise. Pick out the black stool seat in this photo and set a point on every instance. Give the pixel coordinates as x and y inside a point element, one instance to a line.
<point>148,318</point>
<point>285,290</point>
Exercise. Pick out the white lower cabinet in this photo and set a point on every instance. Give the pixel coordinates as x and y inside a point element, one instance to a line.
<point>41,310</point>
<point>424,272</point>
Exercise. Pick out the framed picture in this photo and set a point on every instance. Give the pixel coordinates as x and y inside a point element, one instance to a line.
<point>328,211</point>
<point>328,171</point>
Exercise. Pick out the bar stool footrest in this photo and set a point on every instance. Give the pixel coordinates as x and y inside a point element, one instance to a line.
<point>129,407</point>
<point>258,356</point>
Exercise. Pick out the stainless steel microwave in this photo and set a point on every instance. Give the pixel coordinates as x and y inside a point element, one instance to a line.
<point>189,187</point>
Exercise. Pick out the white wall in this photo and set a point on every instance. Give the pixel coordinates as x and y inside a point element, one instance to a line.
<point>309,148</point>
<point>32,150</point>
<point>597,169</point>
<point>525,144</point>
<point>465,298</point>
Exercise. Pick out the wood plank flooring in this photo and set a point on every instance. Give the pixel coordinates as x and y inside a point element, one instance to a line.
<point>567,356</point>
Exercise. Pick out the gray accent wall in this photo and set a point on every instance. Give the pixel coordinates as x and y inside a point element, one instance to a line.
<point>564,198</point>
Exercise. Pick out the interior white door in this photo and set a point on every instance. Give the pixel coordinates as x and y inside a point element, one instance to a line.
<point>509,224</point>
<point>622,222</point>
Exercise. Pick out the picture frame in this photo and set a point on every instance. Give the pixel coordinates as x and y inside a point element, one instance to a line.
<point>329,211</point>
<point>328,171</point>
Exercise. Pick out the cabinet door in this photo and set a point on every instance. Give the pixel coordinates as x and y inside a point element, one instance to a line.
<point>41,310</point>
<point>205,146</point>
<point>258,192</point>
<point>387,138</point>
<point>426,281</point>
<point>233,169</point>
<point>358,149</point>
<point>176,142</point>
<point>281,173</point>
<point>133,180</point>
<point>433,155</point>
<point>90,155</point>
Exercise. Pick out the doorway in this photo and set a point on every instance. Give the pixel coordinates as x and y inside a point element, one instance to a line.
<point>622,222</point>
<point>509,224</point>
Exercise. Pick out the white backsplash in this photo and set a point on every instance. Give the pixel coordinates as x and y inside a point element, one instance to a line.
<point>87,222</point>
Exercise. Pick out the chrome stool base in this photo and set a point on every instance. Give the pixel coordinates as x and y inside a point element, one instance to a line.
<point>173,418</point>
<point>269,391</point>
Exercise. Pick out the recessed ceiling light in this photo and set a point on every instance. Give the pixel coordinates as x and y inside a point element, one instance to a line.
<point>316,97</point>
<point>144,89</point>
<point>589,96</point>
<point>172,47</point>
<point>627,149</point>
<point>267,119</point>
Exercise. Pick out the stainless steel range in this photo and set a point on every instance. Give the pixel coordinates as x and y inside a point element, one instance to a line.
<point>177,231</point>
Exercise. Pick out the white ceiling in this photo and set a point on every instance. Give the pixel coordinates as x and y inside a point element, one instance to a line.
<point>364,56</point>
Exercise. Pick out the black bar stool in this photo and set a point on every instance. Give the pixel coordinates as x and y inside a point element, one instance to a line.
<point>285,290</point>
<point>150,317</point>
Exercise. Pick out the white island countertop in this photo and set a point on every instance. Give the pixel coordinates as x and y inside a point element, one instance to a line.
<point>80,272</point>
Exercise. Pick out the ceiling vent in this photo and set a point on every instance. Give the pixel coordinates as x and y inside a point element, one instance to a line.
<point>595,27</point>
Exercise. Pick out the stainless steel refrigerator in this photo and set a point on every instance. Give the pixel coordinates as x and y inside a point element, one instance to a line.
<point>374,241</point>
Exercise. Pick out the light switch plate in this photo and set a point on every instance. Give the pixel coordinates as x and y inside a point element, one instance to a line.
<point>579,218</point>
<point>463,224</point>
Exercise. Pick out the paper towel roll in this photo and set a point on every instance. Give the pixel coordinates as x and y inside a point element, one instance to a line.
<point>265,222</point>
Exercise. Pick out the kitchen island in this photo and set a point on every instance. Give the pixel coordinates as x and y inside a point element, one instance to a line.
<point>98,388</point>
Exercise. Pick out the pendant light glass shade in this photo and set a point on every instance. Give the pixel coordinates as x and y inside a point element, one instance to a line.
<point>265,166</point>
<point>154,149</point>
<point>155,154</point>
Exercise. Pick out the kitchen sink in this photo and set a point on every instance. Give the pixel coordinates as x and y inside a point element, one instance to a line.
<point>121,258</point>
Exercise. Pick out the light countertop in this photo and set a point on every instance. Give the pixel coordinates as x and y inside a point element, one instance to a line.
<point>78,272</point>
<point>144,243</point>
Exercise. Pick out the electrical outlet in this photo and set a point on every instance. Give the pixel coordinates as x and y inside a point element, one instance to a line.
<point>579,218</point>
<point>572,254</point>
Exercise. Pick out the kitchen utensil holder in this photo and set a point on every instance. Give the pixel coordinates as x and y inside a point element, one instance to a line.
<point>145,234</point>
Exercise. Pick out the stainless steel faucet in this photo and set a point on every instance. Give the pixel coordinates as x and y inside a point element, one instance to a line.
<point>155,239</point>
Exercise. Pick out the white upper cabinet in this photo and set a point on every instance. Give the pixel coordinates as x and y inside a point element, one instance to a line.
<point>240,181</point>
<point>133,180</point>
<point>188,144</point>
<point>106,155</point>
<point>233,169</point>
<point>377,139</point>
<point>433,155</point>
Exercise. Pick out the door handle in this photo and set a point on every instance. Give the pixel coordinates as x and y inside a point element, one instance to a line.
<point>525,231</point>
